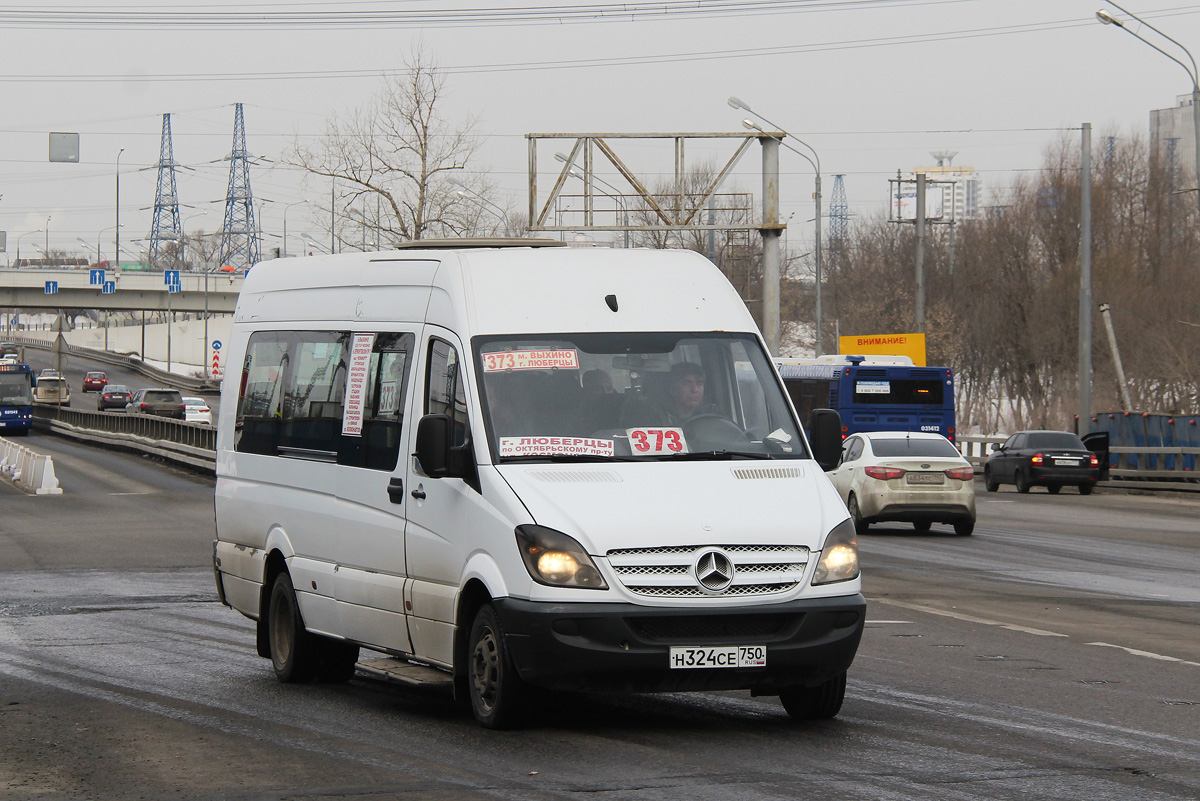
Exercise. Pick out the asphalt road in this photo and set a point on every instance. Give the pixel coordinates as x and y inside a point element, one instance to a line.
<point>1052,655</point>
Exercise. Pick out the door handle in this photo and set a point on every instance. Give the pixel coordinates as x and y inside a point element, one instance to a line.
<point>418,493</point>
<point>395,490</point>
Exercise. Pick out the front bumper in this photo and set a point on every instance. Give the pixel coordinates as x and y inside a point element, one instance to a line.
<point>625,647</point>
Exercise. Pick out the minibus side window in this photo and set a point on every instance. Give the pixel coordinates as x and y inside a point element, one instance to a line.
<point>383,414</point>
<point>315,397</point>
<point>445,393</point>
<point>260,406</point>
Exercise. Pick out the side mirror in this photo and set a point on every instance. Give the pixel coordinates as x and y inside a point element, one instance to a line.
<point>438,456</point>
<point>997,446</point>
<point>433,444</point>
<point>826,437</point>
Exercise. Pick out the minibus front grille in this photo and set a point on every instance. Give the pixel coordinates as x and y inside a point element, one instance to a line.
<point>670,571</point>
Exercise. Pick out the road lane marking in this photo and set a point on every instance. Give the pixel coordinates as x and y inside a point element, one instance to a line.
<point>1147,654</point>
<point>969,618</point>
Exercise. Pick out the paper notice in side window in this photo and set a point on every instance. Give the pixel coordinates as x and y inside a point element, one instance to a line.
<point>555,446</point>
<point>356,384</point>
<point>567,359</point>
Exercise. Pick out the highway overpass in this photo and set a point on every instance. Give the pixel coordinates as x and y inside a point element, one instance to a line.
<point>132,291</point>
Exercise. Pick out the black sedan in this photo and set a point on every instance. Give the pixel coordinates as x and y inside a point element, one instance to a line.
<point>1052,459</point>
<point>113,396</point>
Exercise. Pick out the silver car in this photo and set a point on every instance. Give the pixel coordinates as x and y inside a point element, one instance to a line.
<point>905,476</point>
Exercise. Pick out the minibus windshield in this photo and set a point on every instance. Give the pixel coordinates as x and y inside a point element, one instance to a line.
<point>643,396</point>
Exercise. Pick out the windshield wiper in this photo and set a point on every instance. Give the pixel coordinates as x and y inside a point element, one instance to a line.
<point>717,456</point>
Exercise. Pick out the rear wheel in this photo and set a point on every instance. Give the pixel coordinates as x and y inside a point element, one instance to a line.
<point>1022,484</point>
<point>860,525</point>
<point>964,528</point>
<point>815,703</point>
<point>294,652</point>
<point>989,483</point>
<point>1086,489</point>
<point>499,697</point>
<point>1053,489</point>
<point>921,526</point>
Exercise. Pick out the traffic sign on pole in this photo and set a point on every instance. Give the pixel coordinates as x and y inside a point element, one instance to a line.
<point>96,277</point>
<point>170,277</point>
<point>109,288</point>
<point>51,287</point>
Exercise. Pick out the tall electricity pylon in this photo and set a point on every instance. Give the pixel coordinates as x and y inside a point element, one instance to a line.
<point>239,236</point>
<point>165,227</point>
<point>839,216</point>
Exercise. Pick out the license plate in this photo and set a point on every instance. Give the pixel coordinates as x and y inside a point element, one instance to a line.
<point>925,478</point>
<point>729,656</point>
<point>1066,463</point>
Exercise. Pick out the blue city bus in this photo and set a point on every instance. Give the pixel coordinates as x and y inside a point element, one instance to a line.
<point>16,399</point>
<point>882,394</point>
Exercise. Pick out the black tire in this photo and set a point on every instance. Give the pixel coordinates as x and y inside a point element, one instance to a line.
<point>295,654</point>
<point>860,526</point>
<point>815,703</point>
<point>1053,489</point>
<point>499,698</point>
<point>989,483</point>
<point>1086,489</point>
<point>1019,480</point>
<point>921,526</point>
<point>964,528</point>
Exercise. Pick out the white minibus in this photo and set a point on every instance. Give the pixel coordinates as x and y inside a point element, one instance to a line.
<point>523,467</point>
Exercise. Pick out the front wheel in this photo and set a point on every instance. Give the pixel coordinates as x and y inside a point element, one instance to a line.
<point>499,697</point>
<point>815,703</point>
<point>1022,484</point>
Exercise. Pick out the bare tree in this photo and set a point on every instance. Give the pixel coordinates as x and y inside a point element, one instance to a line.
<point>390,162</point>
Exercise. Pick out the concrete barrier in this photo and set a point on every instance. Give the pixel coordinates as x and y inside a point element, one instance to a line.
<point>29,470</point>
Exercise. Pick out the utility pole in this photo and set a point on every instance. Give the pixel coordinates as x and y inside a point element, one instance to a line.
<point>1112,343</point>
<point>1085,282</point>
<point>770,236</point>
<point>920,259</point>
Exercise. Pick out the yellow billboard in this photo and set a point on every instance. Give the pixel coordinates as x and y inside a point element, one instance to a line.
<point>910,345</point>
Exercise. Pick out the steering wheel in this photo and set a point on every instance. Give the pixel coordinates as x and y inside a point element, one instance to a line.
<point>714,430</point>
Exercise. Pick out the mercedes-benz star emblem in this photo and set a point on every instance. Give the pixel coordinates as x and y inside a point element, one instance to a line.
<point>714,571</point>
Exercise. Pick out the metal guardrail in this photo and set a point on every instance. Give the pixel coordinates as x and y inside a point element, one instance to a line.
<point>173,380</point>
<point>193,444</point>
<point>1122,474</point>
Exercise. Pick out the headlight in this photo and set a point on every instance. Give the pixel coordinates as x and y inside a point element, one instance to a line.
<point>839,556</point>
<point>553,558</point>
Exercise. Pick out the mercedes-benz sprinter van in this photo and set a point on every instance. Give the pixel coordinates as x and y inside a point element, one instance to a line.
<point>523,468</point>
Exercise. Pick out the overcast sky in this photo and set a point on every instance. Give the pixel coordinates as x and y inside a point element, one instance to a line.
<point>872,85</point>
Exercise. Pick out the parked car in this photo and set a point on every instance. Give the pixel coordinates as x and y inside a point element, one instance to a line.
<point>114,396</point>
<point>905,476</point>
<point>197,411</point>
<point>157,401</point>
<point>1052,459</point>
<point>94,381</point>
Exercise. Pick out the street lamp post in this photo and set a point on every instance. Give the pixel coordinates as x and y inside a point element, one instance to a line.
<point>46,252</point>
<point>19,238</point>
<point>815,161</point>
<point>1192,72</point>
<point>285,208</point>
<point>117,209</point>
<point>466,191</point>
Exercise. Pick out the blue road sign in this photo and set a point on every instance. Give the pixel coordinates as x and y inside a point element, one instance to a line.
<point>216,344</point>
<point>108,288</point>
<point>51,287</point>
<point>96,277</point>
<point>170,277</point>
<point>173,288</point>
